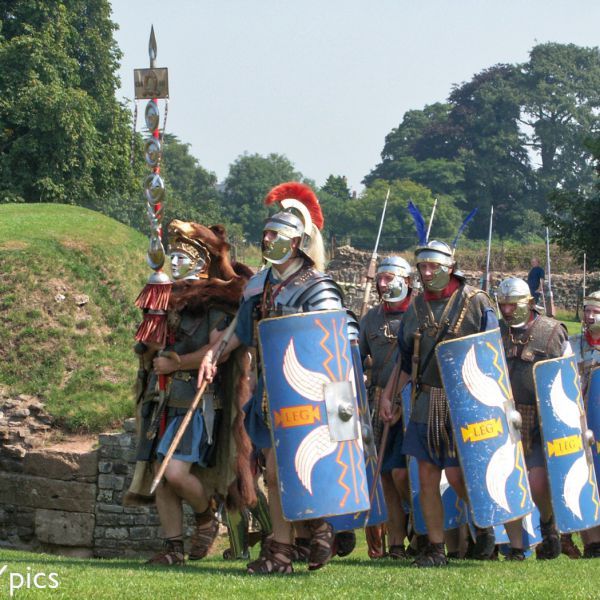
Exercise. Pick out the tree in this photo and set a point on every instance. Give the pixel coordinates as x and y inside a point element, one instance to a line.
<point>337,186</point>
<point>560,86</point>
<point>359,219</point>
<point>497,172</point>
<point>574,217</point>
<point>191,190</point>
<point>63,135</point>
<point>249,180</point>
<point>422,148</point>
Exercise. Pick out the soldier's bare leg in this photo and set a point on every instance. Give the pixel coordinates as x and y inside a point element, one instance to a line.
<point>540,492</point>
<point>431,500</point>
<point>282,529</point>
<point>186,485</point>
<point>396,523</point>
<point>400,477</point>
<point>276,556</point>
<point>170,511</point>
<point>456,480</point>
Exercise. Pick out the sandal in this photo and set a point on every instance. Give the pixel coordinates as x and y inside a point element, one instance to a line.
<point>397,552</point>
<point>434,556</point>
<point>171,555</point>
<point>321,543</point>
<point>344,543</point>
<point>275,558</point>
<point>207,528</point>
<point>301,550</point>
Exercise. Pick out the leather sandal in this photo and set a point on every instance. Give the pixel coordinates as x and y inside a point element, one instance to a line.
<point>205,533</point>
<point>275,558</point>
<point>434,556</point>
<point>321,543</point>
<point>397,552</point>
<point>171,555</point>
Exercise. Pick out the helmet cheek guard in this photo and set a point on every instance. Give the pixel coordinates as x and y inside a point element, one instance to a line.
<point>397,290</point>
<point>515,291</point>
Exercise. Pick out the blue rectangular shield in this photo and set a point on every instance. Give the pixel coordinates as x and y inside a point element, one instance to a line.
<point>532,535</point>
<point>593,414</point>
<point>573,487</point>
<point>475,378</point>
<point>378,513</point>
<point>314,417</point>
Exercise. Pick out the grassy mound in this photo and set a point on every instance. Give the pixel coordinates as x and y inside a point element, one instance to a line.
<point>68,281</point>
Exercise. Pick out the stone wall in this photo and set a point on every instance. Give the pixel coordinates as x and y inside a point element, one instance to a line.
<point>47,496</point>
<point>348,267</point>
<point>66,497</point>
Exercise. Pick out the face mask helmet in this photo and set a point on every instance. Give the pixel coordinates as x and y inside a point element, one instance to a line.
<point>190,258</point>
<point>441,255</point>
<point>515,291</point>
<point>592,301</point>
<point>287,226</point>
<point>397,288</point>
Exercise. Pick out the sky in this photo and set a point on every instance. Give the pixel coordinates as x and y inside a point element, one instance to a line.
<point>324,81</point>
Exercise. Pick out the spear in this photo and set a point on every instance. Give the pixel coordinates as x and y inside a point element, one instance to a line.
<point>584,272</point>
<point>370,272</point>
<point>486,283</point>
<point>431,218</point>
<point>549,279</point>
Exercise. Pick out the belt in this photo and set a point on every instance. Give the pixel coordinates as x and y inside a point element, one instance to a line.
<point>425,387</point>
<point>185,375</point>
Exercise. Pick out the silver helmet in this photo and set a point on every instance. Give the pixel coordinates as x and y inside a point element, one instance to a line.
<point>513,290</point>
<point>396,289</point>
<point>438,253</point>
<point>189,257</point>
<point>591,313</point>
<point>287,226</point>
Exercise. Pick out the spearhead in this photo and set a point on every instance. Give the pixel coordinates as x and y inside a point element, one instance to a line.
<point>152,52</point>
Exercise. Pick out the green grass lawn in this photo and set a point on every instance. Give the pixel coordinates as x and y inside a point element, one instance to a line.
<point>76,354</point>
<point>355,576</point>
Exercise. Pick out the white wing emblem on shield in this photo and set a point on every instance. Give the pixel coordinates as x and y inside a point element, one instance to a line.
<point>563,407</point>
<point>574,481</point>
<point>499,468</point>
<point>309,384</point>
<point>528,525</point>
<point>483,387</point>
<point>487,391</point>
<point>315,446</point>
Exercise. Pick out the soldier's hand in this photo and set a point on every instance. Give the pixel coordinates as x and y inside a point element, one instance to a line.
<point>207,370</point>
<point>163,365</point>
<point>385,409</point>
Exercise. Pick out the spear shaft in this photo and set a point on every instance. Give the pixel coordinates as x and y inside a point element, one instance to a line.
<point>370,272</point>
<point>549,277</point>
<point>431,218</point>
<point>486,283</point>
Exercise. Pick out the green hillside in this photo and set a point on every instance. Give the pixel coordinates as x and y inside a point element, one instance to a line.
<point>75,354</point>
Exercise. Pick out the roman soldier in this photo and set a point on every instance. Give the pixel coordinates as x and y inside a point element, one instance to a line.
<point>206,292</point>
<point>587,350</point>
<point>447,309</point>
<point>378,341</point>
<point>528,338</point>
<point>291,283</point>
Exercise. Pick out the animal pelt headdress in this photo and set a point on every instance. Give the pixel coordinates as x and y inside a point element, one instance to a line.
<point>225,279</point>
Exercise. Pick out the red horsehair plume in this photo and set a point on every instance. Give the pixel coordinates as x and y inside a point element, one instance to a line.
<point>302,193</point>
